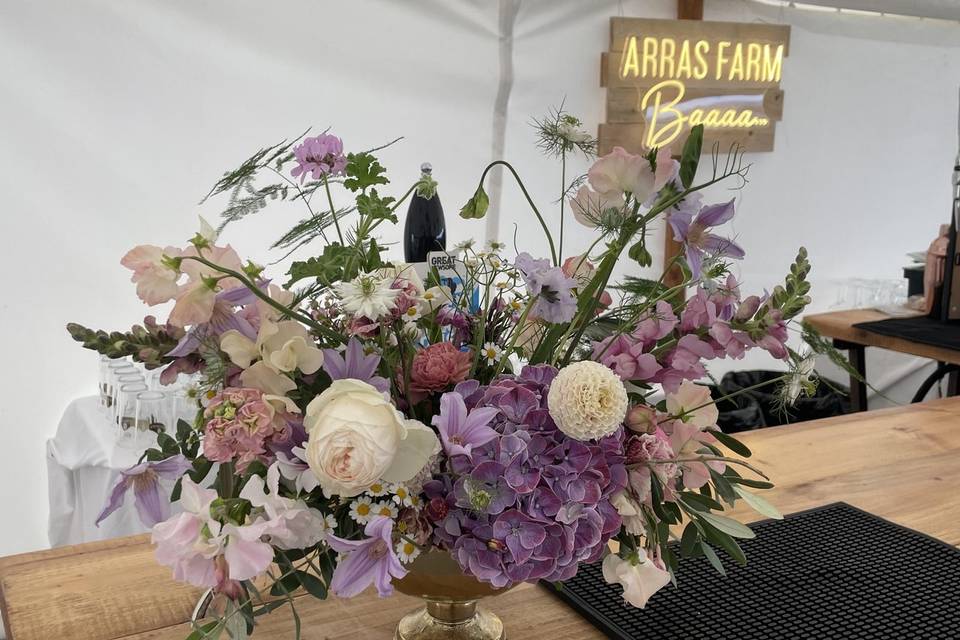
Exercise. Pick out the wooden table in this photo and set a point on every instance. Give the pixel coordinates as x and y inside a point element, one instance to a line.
<point>900,463</point>
<point>838,325</point>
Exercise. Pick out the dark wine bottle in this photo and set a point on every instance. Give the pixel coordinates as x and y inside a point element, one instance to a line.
<point>425,229</point>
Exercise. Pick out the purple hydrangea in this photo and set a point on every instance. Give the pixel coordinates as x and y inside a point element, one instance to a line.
<point>531,503</point>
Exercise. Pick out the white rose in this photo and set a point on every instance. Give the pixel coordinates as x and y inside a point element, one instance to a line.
<point>357,437</point>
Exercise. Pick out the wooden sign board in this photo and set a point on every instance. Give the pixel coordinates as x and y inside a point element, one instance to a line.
<point>665,76</point>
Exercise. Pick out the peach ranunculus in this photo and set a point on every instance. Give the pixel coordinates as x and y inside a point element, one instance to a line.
<point>357,438</point>
<point>438,366</point>
<point>156,280</point>
<point>620,172</point>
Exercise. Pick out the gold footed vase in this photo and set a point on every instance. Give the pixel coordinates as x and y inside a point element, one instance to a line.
<point>451,611</point>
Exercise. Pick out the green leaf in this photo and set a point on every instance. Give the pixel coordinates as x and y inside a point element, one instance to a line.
<point>725,542</point>
<point>689,539</point>
<point>327,565</point>
<point>313,585</point>
<point>638,252</point>
<point>287,584</point>
<point>731,443</point>
<point>374,207</point>
<point>712,557</point>
<point>723,487</point>
<point>326,268</point>
<point>749,482</point>
<point>168,445</point>
<point>700,502</point>
<point>690,157</point>
<point>758,504</point>
<point>476,206</point>
<point>363,171</point>
<point>206,631</point>
<point>727,525</point>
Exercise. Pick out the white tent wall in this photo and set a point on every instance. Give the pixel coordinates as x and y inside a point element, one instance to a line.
<point>118,117</point>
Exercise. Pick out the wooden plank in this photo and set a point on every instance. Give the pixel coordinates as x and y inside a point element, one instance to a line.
<point>690,9</point>
<point>839,326</point>
<point>898,463</point>
<point>623,103</point>
<point>711,31</point>
<point>631,136</point>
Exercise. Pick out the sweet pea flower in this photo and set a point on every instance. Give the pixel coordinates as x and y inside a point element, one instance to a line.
<point>460,432</point>
<point>624,354</point>
<point>155,278</point>
<point>589,206</point>
<point>291,523</point>
<point>368,561</point>
<point>552,288</point>
<point>699,242</point>
<point>294,467</point>
<point>621,172</point>
<point>693,404</point>
<point>144,479</point>
<point>667,168</point>
<point>687,440</point>
<point>640,577</point>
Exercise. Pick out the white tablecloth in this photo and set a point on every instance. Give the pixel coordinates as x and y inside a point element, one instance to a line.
<point>83,462</point>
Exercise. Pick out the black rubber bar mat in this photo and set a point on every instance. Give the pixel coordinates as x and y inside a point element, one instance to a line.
<point>922,329</point>
<point>832,573</point>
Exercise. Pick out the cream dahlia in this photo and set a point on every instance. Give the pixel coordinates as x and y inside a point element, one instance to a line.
<point>587,400</point>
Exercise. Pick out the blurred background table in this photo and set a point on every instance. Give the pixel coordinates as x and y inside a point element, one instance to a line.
<point>900,464</point>
<point>83,461</point>
<point>839,326</point>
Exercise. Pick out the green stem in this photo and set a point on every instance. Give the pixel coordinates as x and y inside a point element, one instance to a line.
<point>546,230</point>
<point>708,458</point>
<point>728,396</point>
<point>516,336</point>
<point>333,210</point>
<point>310,322</point>
<point>563,193</point>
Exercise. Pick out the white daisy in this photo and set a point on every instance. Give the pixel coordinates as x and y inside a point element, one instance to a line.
<point>361,509</point>
<point>368,295</point>
<point>412,314</point>
<point>384,508</point>
<point>415,501</point>
<point>377,489</point>
<point>401,495</point>
<point>407,551</point>
<point>491,352</point>
<point>434,298</point>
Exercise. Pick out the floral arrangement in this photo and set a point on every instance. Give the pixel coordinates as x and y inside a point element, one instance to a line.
<point>363,413</point>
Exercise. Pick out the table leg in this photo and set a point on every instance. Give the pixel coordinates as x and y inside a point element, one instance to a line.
<point>856,354</point>
<point>953,383</point>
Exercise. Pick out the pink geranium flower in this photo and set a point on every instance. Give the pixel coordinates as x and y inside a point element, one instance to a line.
<point>319,156</point>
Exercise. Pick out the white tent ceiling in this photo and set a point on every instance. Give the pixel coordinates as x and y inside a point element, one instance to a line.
<point>941,9</point>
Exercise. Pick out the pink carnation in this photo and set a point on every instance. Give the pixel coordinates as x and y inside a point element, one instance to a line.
<point>439,366</point>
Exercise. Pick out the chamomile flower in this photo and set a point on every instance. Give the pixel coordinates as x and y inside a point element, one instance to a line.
<point>377,489</point>
<point>412,314</point>
<point>415,501</point>
<point>515,305</point>
<point>434,298</point>
<point>329,524</point>
<point>407,551</point>
<point>386,509</point>
<point>401,495</point>
<point>361,509</point>
<point>491,352</point>
<point>368,295</point>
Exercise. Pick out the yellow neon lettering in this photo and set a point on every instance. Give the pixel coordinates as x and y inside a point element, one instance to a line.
<point>722,59</point>
<point>650,55</point>
<point>754,51</point>
<point>772,65</point>
<point>736,66</point>
<point>629,60</point>
<point>668,48</point>
<point>700,51</point>
<point>661,135</point>
<point>683,64</point>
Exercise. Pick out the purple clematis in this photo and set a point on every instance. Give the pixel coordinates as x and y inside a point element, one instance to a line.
<point>152,506</point>
<point>460,432</point>
<point>356,365</point>
<point>693,232</point>
<point>368,561</point>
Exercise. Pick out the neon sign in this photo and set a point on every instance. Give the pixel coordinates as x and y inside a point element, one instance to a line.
<point>665,76</point>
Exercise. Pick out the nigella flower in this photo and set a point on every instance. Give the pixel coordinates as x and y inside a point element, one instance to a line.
<point>372,560</point>
<point>700,243</point>
<point>460,431</point>
<point>356,365</point>
<point>144,479</point>
<point>552,287</point>
<point>368,295</point>
<point>320,156</point>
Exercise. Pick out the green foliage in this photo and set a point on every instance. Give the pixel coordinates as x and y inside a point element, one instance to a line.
<point>246,200</point>
<point>363,171</point>
<point>326,268</point>
<point>690,157</point>
<point>275,154</point>
<point>147,343</point>
<point>792,298</point>
<point>638,252</point>
<point>376,208</point>
<point>476,206</point>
